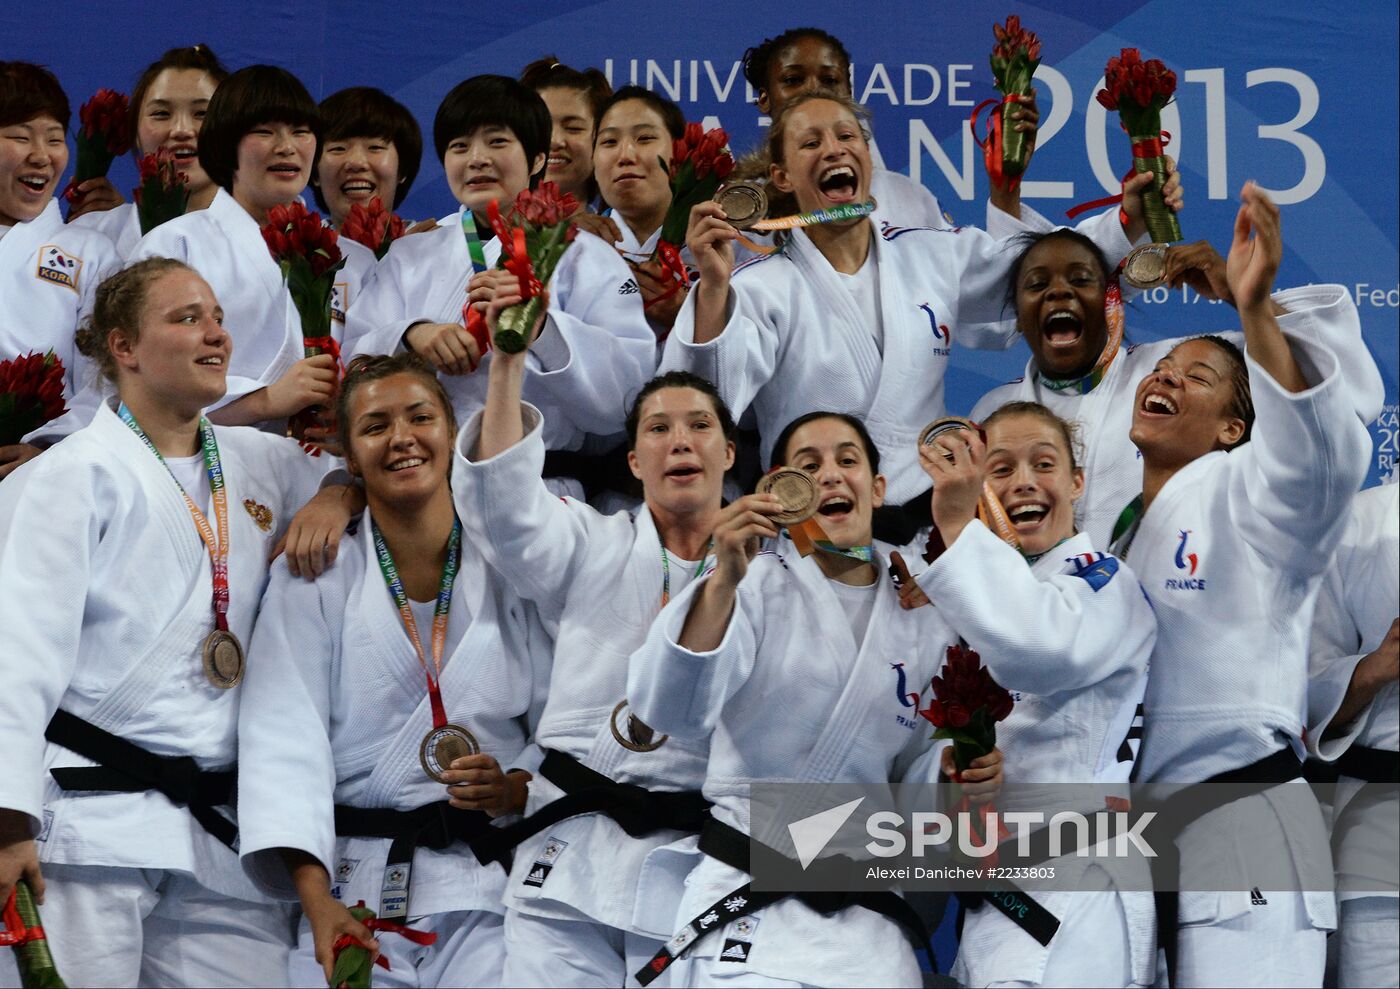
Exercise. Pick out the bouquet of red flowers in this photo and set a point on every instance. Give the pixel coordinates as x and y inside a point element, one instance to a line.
<point>105,133</point>
<point>534,235</point>
<point>31,394</point>
<point>352,967</point>
<point>967,703</point>
<point>373,226</point>
<point>23,931</point>
<point>306,251</point>
<point>700,161</point>
<point>1138,90</point>
<point>163,193</point>
<point>1014,61</point>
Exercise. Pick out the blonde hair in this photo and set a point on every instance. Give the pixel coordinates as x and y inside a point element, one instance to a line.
<point>120,305</point>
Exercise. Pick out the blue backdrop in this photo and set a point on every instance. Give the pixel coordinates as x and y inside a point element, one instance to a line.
<point>1300,97</point>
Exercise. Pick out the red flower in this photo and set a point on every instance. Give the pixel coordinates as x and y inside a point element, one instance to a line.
<point>106,116</point>
<point>31,394</point>
<point>1134,86</point>
<point>544,207</point>
<point>292,232</point>
<point>958,714</point>
<point>935,714</point>
<point>373,226</point>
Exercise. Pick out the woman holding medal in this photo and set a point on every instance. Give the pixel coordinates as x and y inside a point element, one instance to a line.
<point>608,836</point>
<point>169,102</point>
<point>133,557</point>
<point>786,666</point>
<point>843,317</point>
<point>1069,307</point>
<point>1075,657</point>
<point>1250,463</point>
<point>348,764</point>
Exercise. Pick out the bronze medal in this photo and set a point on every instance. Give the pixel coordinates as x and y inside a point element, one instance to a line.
<point>1146,266</point>
<point>441,746</point>
<point>223,659</point>
<point>744,204</point>
<point>795,489</point>
<point>945,425</point>
<point>639,737</point>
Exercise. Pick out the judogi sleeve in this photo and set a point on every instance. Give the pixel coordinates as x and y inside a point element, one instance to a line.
<point>51,525</point>
<point>1327,314</point>
<point>681,692</point>
<point>286,770</point>
<point>1291,487</point>
<point>1104,229</point>
<point>1069,631</point>
<point>1333,657</point>
<point>745,356</point>
<point>534,540</point>
<point>595,350</point>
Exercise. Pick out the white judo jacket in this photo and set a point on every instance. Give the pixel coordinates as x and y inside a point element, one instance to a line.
<point>596,580</point>
<point>789,696</point>
<point>1231,554</point>
<point>49,273</point>
<point>1104,415</point>
<point>106,604</point>
<point>121,225</point>
<point>795,341</point>
<point>1355,609</point>
<point>594,353</point>
<point>336,705</point>
<point>1070,636</point>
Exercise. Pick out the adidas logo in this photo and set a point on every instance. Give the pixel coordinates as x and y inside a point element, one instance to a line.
<point>1257,898</point>
<point>735,951</point>
<point>629,287</point>
<point>537,875</point>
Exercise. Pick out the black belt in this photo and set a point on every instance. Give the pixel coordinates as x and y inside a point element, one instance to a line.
<point>435,826</point>
<point>1370,765</point>
<point>1202,798</point>
<point>737,850</point>
<point>637,810</point>
<point>1020,907</point>
<point>124,767</point>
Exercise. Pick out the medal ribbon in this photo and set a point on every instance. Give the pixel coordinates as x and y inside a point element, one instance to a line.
<point>1113,316</point>
<point>440,609</point>
<point>473,321</point>
<point>837,214</point>
<point>666,570</point>
<point>218,496</point>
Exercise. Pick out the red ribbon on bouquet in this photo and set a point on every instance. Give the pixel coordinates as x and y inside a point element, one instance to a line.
<point>1150,147</point>
<point>388,927</point>
<point>991,145</point>
<point>16,932</point>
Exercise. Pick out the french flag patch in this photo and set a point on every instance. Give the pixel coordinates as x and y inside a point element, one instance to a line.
<point>1097,569</point>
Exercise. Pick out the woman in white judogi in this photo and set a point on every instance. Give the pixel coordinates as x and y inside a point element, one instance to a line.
<point>1354,719</point>
<point>168,103</point>
<point>595,351</point>
<point>131,555</point>
<point>1070,635</point>
<point>336,710</point>
<point>591,897</point>
<point>791,668</point>
<point>49,271</point>
<point>1070,312</point>
<point>1230,541</point>
<point>844,317</point>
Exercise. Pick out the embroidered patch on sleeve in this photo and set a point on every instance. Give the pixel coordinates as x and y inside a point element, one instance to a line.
<point>1098,572</point>
<point>58,266</point>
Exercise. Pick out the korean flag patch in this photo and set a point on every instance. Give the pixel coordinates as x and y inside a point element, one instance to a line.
<point>58,266</point>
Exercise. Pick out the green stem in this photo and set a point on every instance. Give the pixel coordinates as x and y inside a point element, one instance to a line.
<point>1162,224</point>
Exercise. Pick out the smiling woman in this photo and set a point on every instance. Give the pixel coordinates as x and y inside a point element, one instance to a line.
<point>371,147</point>
<point>49,271</point>
<point>147,591</point>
